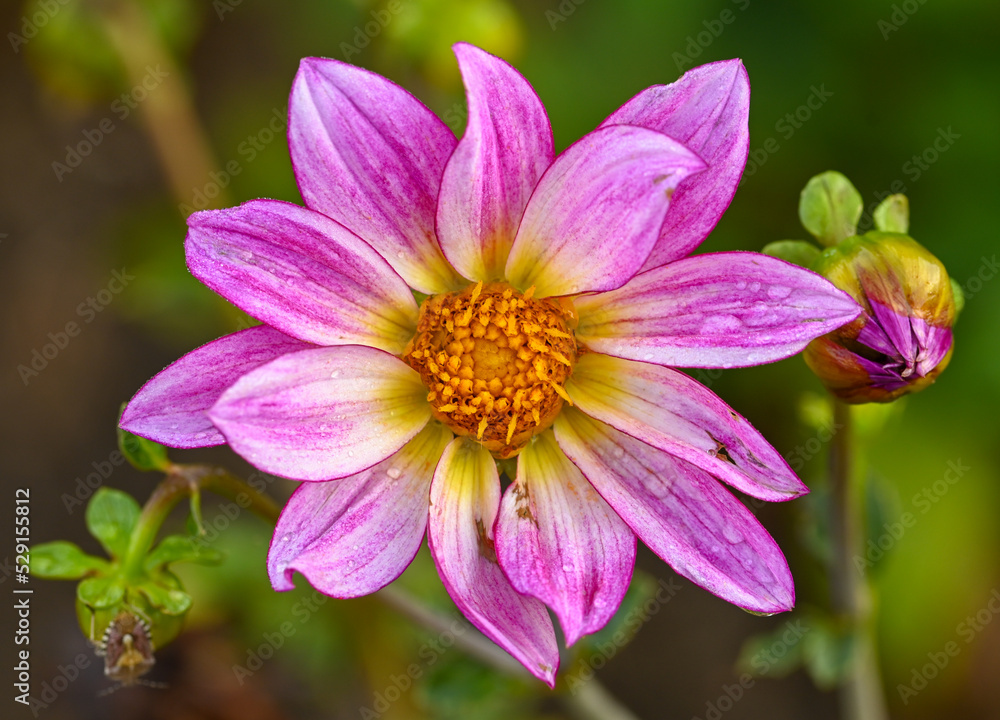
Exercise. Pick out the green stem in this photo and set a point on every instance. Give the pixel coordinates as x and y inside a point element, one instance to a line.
<point>185,481</point>
<point>861,695</point>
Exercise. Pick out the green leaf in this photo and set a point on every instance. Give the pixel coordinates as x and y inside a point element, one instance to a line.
<point>956,290</point>
<point>830,207</point>
<point>178,548</point>
<point>61,560</point>
<point>799,252</point>
<point>143,454</point>
<point>171,601</point>
<point>827,653</point>
<point>111,517</point>
<point>101,592</point>
<point>893,214</point>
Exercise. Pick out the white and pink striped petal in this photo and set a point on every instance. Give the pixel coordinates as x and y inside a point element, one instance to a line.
<point>323,413</point>
<point>506,147</point>
<point>353,536</point>
<point>465,495</point>
<point>559,541</point>
<point>302,273</point>
<point>682,514</point>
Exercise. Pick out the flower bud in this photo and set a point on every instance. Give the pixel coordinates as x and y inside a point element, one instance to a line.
<point>903,339</point>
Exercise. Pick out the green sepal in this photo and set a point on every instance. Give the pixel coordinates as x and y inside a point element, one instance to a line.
<point>61,560</point>
<point>959,295</point>
<point>893,214</point>
<point>111,516</point>
<point>797,252</point>
<point>178,548</point>
<point>143,454</point>
<point>101,592</point>
<point>830,207</point>
<point>169,600</point>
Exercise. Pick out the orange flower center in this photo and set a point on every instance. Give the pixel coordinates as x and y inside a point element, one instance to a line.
<point>495,362</point>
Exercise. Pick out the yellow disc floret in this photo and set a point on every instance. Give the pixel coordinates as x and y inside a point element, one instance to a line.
<point>495,362</point>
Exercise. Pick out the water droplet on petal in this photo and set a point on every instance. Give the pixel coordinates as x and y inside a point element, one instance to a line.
<point>350,453</point>
<point>335,374</point>
<point>394,472</point>
<point>286,538</point>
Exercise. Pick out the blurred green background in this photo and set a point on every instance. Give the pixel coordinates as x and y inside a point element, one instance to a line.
<point>888,81</point>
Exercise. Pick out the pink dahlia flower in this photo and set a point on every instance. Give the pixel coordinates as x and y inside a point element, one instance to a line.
<point>555,297</point>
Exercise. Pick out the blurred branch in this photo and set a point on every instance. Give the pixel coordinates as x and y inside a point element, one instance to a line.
<point>168,112</point>
<point>861,696</point>
<point>591,701</point>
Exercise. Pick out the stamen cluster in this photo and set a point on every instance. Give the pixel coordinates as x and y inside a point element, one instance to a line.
<point>495,362</point>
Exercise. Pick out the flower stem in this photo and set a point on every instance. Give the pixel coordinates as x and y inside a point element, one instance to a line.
<point>591,701</point>
<point>861,695</point>
<point>187,481</point>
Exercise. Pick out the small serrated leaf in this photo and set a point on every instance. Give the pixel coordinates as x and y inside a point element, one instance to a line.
<point>797,252</point>
<point>61,560</point>
<point>170,600</point>
<point>101,592</point>
<point>178,548</point>
<point>111,516</point>
<point>893,214</point>
<point>830,207</point>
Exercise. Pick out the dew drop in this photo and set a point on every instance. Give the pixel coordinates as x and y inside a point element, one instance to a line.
<point>285,538</point>
<point>401,255</point>
<point>335,374</point>
<point>350,453</point>
<point>394,472</point>
<point>350,563</point>
<point>731,534</point>
<point>354,548</point>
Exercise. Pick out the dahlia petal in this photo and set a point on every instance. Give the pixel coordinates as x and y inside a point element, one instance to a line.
<point>506,147</point>
<point>707,109</point>
<point>465,494</point>
<point>672,412</point>
<point>732,309</point>
<point>682,514</point>
<point>559,541</point>
<point>302,273</point>
<point>353,536</point>
<point>597,211</point>
<point>323,413</point>
<point>172,408</point>
<point>370,155</point>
